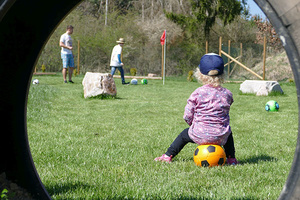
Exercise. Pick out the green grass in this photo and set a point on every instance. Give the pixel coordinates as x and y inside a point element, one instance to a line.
<point>104,148</point>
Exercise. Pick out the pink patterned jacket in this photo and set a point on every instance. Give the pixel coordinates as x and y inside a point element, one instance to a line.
<point>207,113</point>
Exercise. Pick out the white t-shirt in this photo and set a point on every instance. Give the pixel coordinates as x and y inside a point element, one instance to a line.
<point>114,61</point>
<point>67,40</point>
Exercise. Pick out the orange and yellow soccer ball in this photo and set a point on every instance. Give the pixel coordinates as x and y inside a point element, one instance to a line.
<point>209,155</point>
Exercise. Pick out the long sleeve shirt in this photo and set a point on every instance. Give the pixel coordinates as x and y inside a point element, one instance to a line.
<point>207,113</point>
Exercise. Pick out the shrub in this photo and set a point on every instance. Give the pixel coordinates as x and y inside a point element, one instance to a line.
<point>75,72</point>
<point>190,76</point>
<point>133,71</point>
<point>43,68</point>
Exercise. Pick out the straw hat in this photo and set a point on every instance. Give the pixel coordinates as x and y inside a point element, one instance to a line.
<point>121,40</point>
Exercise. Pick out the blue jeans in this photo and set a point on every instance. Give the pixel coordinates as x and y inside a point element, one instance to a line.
<point>113,69</point>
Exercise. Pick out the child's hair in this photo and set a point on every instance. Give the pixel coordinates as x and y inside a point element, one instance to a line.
<point>210,79</point>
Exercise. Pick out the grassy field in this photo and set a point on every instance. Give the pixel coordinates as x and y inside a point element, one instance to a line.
<point>104,148</point>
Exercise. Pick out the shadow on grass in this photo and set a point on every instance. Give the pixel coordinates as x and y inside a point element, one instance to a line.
<point>104,97</point>
<point>185,159</point>
<point>271,94</point>
<point>179,198</point>
<point>56,190</point>
<point>251,160</point>
<point>65,187</point>
<point>257,159</point>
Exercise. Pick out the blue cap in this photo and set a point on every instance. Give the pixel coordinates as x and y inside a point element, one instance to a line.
<point>211,61</point>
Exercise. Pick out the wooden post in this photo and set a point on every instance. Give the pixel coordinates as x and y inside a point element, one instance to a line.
<point>264,58</point>
<point>239,57</point>
<point>78,57</point>
<point>241,49</point>
<point>220,46</point>
<point>239,63</point>
<point>229,58</point>
<point>206,47</point>
<point>106,11</point>
<point>122,55</point>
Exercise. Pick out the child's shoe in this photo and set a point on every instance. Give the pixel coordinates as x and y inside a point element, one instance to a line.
<point>164,158</point>
<point>231,161</point>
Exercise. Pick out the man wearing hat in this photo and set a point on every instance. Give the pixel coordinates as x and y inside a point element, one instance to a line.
<point>116,62</point>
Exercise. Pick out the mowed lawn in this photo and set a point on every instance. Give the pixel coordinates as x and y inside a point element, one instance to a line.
<point>104,148</point>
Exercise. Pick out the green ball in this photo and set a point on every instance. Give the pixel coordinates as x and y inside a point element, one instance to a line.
<point>144,81</point>
<point>272,106</point>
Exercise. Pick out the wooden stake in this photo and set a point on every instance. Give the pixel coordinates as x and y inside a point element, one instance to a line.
<point>240,56</point>
<point>220,46</point>
<point>122,55</point>
<point>241,49</point>
<point>231,61</point>
<point>106,11</point>
<point>264,58</point>
<point>78,57</point>
<point>206,47</point>
<point>236,61</point>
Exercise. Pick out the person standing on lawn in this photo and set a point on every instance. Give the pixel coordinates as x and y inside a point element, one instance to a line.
<point>67,56</point>
<point>207,112</point>
<point>116,62</point>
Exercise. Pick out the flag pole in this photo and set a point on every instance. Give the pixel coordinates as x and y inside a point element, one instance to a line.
<point>165,57</point>
<point>162,61</point>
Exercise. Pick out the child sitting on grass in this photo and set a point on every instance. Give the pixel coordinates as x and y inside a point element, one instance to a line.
<point>207,112</point>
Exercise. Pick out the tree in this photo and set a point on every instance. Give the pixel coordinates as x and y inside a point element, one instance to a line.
<point>265,28</point>
<point>207,11</point>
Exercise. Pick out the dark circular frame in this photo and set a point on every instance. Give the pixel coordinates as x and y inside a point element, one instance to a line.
<point>25,27</point>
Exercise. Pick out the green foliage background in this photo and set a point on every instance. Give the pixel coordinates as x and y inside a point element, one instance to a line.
<point>142,31</point>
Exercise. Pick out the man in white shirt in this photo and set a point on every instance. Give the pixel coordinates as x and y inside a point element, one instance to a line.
<point>115,61</point>
<point>67,57</point>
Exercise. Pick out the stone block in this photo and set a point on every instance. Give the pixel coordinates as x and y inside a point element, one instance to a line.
<point>260,88</point>
<point>152,75</point>
<point>95,84</point>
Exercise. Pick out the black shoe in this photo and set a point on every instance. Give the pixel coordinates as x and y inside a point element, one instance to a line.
<point>125,83</point>
<point>70,81</point>
<point>65,82</point>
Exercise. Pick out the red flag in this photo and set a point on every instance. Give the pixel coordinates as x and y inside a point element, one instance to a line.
<point>163,37</point>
